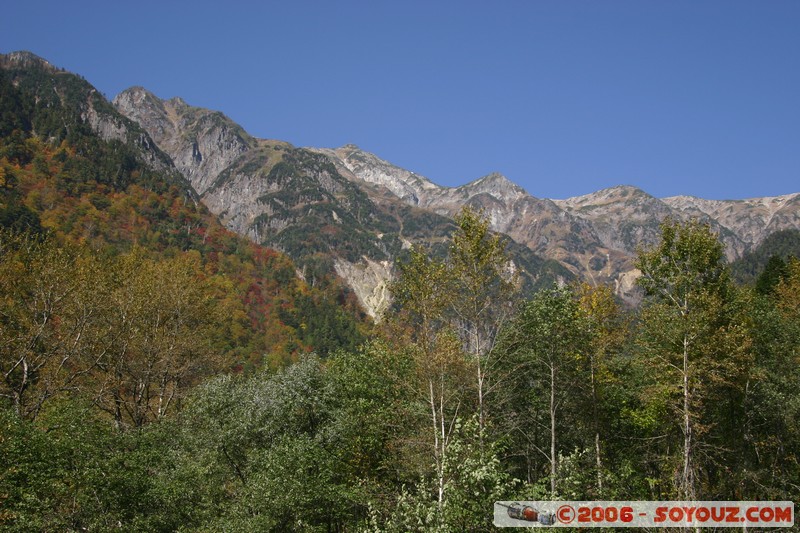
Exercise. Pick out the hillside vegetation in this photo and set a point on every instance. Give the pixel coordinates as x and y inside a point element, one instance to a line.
<point>105,199</point>
<point>160,373</point>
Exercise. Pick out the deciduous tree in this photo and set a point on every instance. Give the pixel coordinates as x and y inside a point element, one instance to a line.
<point>549,336</point>
<point>689,337</point>
<point>485,283</point>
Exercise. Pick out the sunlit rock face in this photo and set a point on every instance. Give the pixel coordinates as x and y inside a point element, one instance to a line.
<point>366,211</point>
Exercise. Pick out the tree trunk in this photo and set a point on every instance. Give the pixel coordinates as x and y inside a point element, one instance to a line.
<point>481,378</point>
<point>436,452</point>
<point>553,463</point>
<point>688,468</point>
<point>597,457</point>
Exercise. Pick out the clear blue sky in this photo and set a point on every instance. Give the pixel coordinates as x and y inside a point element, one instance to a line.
<point>563,97</point>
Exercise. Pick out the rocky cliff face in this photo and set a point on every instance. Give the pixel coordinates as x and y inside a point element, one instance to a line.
<point>201,143</point>
<point>355,212</point>
<point>539,224</point>
<point>626,218</point>
<point>751,220</point>
<point>369,168</point>
<point>310,203</point>
<point>595,235</point>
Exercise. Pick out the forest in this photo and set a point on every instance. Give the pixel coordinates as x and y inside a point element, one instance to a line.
<point>160,373</point>
<point>119,410</point>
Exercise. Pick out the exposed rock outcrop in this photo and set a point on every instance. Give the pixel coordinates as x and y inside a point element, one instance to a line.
<point>362,211</point>
<point>201,143</point>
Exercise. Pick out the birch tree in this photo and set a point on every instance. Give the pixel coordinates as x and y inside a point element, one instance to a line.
<point>424,290</point>
<point>606,333</point>
<point>485,284</point>
<point>548,336</point>
<point>687,336</point>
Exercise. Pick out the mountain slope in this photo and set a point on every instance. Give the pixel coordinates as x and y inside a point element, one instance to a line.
<point>73,167</point>
<point>306,202</point>
<point>201,144</point>
<point>64,107</point>
<point>595,235</point>
<point>349,211</point>
<point>538,224</point>
<point>752,220</point>
<point>782,244</point>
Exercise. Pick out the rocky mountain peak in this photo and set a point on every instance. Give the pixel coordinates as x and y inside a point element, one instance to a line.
<point>610,195</point>
<point>25,59</point>
<point>367,167</point>
<point>138,99</point>
<point>202,143</point>
<point>136,92</point>
<point>177,101</point>
<point>496,185</point>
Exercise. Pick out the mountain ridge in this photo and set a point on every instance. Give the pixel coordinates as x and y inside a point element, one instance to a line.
<point>308,202</point>
<point>279,195</point>
<point>611,222</point>
<point>594,236</point>
<point>348,211</point>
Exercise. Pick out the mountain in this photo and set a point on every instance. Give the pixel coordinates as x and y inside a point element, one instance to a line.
<point>66,106</point>
<point>596,235</point>
<point>781,244</point>
<point>538,224</point>
<point>347,210</point>
<point>751,220</point>
<point>74,168</point>
<point>306,202</point>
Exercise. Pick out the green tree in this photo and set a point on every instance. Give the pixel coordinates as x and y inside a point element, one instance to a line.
<point>485,283</point>
<point>548,337</point>
<point>52,321</point>
<point>606,335</point>
<point>775,270</point>
<point>376,414</point>
<point>691,340</point>
<point>476,479</point>
<point>773,403</point>
<point>262,453</point>
<point>424,291</point>
<point>69,470</point>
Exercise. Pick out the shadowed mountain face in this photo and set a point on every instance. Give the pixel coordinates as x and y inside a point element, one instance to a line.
<point>351,211</point>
